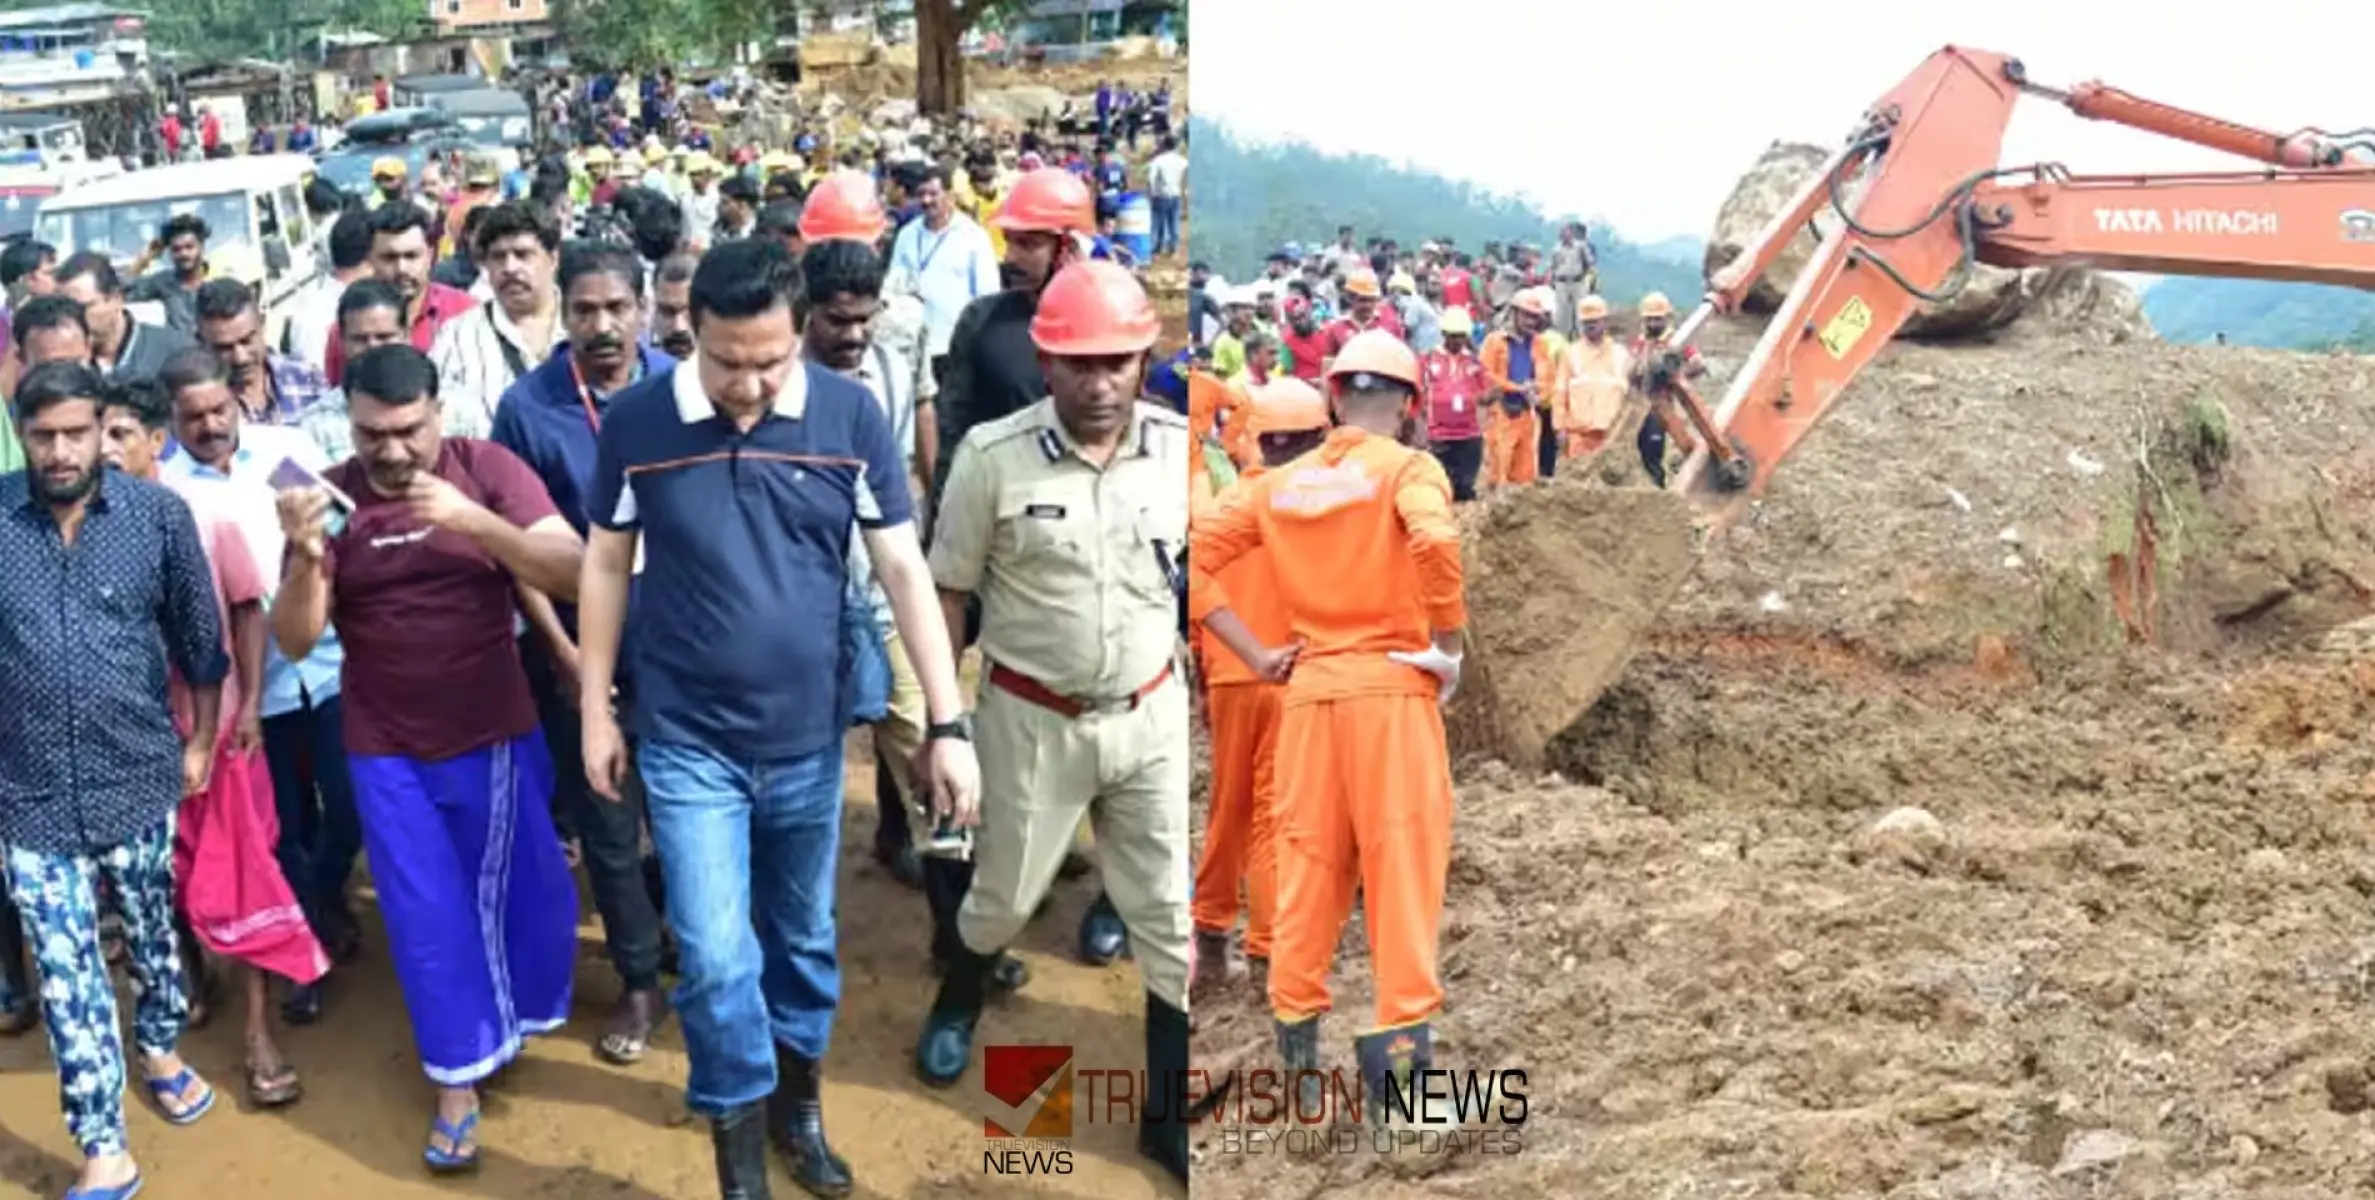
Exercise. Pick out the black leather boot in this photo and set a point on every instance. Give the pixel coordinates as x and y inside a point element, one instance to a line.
<point>1390,1061</point>
<point>945,882</point>
<point>740,1138</point>
<point>1163,1121</point>
<point>796,1120</point>
<point>1298,1056</point>
<point>946,1047</point>
<point>894,844</point>
<point>1103,937</point>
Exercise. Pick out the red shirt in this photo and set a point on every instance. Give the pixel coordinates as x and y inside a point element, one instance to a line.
<point>210,131</point>
<point>442,304</point>
<point>1308,350</point>
<point>1452,386</point>
<point>432,670</point>
<point>1342,329</point>
<point>1458,289</point>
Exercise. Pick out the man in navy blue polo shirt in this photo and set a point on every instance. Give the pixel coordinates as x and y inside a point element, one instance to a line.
<point>551,418</point>
<point>748,470</point>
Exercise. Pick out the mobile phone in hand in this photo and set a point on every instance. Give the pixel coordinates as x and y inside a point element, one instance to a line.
<point>947,836</point>
<point>291,475</point>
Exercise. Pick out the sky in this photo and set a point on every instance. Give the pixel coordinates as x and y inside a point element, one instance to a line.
<point>1643,115</point>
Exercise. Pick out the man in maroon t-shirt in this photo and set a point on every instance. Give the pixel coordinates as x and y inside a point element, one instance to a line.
<point>1452,388</point>
<point>1307,344</point>
<point>451,775</point>
<point>402,251</point>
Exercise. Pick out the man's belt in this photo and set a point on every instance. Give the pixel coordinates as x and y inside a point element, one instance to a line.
<point>1023,687</point>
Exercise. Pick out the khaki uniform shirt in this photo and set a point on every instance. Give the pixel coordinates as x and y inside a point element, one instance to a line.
<point>1063,553</point>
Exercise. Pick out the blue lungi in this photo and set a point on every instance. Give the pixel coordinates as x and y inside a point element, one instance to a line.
<point>480,909</point>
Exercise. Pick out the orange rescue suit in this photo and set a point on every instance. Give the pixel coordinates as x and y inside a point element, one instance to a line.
<point>1366,560</point>
<point>1510,447</point>
<point>1241,710</point>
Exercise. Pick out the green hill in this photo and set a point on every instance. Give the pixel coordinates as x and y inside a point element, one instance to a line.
<point>1248,199</point>
<point>2279,316</point>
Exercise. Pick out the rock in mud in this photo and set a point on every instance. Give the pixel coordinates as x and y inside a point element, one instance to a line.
<point>2066,298</point>
<point>1565,580</point>
<point>1908,836</point>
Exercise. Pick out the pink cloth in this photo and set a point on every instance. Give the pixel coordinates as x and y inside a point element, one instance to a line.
<point>226,879</point>
<point>237,580</point>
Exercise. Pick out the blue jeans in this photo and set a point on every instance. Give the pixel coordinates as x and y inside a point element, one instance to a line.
<point>749,850</point>
<point>1166,212</point>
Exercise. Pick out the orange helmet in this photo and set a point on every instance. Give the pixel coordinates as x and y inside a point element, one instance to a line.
<point>1048,200</point>
<point>1592,308</point>
<point>1529,300</point>
<point>1092,309</point>
<point>1655,304</point>
<point>1285,405</point>
<point>1362,283</point>
<point>843,206</point>
<point>1376,352</point>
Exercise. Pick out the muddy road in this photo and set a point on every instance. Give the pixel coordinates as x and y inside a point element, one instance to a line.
<point>563,1125</point>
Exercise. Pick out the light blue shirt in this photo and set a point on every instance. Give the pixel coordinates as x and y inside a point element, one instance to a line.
<point>947,270</point>
<point>248,497</point>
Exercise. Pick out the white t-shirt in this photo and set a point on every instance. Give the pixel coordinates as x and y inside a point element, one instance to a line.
<point>1166,176</point>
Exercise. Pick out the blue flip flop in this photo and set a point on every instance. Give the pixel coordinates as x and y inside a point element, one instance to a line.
<point>447,1162</point>
<point>121,1191</point>
<point>164,1090</point>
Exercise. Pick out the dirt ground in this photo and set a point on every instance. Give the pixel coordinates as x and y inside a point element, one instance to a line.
<point>1898,864</point>
<point>562,1125</point>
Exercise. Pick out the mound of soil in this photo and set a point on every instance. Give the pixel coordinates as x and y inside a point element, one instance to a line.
<point>1563,582</point>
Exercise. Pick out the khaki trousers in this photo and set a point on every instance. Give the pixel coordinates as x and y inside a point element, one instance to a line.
<point>1041,772</point>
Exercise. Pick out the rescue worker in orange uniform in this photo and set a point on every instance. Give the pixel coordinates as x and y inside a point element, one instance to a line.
<point>1362,774</point>
<point>1518,362</point>
<point>1590,385</point>
<point>1665,435</point>
<point>1286,419</point>
<point>1452,393</point>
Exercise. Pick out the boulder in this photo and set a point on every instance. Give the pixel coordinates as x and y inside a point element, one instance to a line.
<point>2064,298</point>
<point>1020,105</point>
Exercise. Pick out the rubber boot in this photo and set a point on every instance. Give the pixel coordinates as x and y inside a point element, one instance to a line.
<point>945,882</point>
<point>740,1138</point>
<point>1390,1060</point>
<point>1103,936</point>
<point>796,1121</point>
<point>1162,1119</point>
<point>945,1048</point>
<point>1298,1056</point>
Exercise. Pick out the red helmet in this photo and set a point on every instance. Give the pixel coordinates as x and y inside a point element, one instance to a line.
<point>843,206</point>
<point>1048,200</point>
<point>1092,309</point>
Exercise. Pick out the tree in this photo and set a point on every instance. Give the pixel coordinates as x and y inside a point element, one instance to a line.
<point>649,34</point>
<point>940,29</point>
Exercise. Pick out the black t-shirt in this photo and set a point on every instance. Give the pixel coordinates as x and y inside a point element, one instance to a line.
<point>992,371</point>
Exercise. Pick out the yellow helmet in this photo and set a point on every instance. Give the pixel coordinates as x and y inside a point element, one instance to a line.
<point>1593,308</point>
<point>389,167</point>
<point>1655,304</point>
<point>1402,282</point>
<point>1457,321</point>
<point>600,156</point>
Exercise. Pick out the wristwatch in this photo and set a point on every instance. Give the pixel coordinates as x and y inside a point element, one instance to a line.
<point>960,730</point>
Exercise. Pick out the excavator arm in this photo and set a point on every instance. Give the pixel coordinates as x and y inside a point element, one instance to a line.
<point>1921,199</point>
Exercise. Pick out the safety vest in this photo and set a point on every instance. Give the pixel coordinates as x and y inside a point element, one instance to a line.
<point>1596,379</point>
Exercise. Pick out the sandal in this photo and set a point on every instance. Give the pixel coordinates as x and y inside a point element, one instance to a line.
<point>168,1094</point>
<point>121,1191</point>
<point>273,1087</point>
<point>452,1161</point>
<point>638,1015</point>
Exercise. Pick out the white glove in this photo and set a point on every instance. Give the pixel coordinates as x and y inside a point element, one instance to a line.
<point>1444,667</point>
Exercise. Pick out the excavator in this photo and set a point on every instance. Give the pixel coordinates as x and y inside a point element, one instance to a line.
<point>1920,199</point>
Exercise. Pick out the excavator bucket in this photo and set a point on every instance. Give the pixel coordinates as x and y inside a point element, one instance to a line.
<point>1565,582</point>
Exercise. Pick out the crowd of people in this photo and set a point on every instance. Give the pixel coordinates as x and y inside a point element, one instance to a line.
<point>1521,373</point>
<point>568,515</point>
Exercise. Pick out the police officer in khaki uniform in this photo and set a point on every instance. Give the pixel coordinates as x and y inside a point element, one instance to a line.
<point>1068,519</point>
